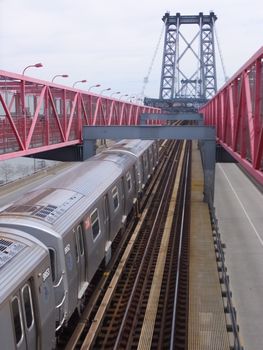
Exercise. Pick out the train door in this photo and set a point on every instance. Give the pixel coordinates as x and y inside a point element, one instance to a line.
<point>106,216</point>
<point>150,154</point>
<point>80,260</point>
<point>124,195</point>
<point>142,171</point>
<point>24,319</point>
<point>135,180</point>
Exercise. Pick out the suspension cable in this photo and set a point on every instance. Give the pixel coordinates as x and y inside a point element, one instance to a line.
<point>220,53</point>
<point>146,78</point>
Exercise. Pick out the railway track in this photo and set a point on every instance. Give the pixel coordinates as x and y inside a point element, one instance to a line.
<point>142,297</point>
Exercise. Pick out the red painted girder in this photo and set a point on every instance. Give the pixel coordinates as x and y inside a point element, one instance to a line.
<point>237,110</point>
<point>37,115</point>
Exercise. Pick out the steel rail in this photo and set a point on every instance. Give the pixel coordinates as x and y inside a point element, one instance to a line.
<point>102,285</point>
<point>183,216</point>
<point>90,335</point>
<point>152,232</point>
<point>152,312</point>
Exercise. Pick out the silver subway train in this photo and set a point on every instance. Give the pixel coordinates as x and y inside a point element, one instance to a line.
<point>53,240</point>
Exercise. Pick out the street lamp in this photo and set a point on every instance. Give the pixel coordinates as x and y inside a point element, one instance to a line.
<point>93,86</point>
<point>130,98</point>
<point>79,81</point>
<point>105,90</point>
<point>115,93</point>
<point>59,75</point>
<point>123,96</point>
<point>37,65</point>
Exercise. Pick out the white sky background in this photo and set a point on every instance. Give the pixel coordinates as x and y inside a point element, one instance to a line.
<point>111,42</point>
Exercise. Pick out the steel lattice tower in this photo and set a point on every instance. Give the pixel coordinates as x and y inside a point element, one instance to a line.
<point>175,83</point>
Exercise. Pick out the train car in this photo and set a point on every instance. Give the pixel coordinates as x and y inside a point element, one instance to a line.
<point>146,154</point>
<point>127,189</point>
<point>27,304</point>
<point>78,214</point>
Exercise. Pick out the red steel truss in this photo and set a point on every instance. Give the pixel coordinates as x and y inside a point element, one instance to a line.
<point>37,116</point>
<point>237,112</point>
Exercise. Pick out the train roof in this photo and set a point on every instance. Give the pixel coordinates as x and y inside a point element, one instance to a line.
<point>20,254</point>
<point>55,205</point>
<point>122,160</point>
<point>77,187</point>
<point>135,147</point>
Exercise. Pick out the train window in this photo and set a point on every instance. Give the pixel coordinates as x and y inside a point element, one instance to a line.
<point>95,224</point>
<point>16,308</point>
<point>115,196</point>
<point>28,305</point>
<point>53,258</point>
<point>129,182</point>
<point>80,238</point>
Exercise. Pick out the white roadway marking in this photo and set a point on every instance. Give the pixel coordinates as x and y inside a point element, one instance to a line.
<point>242,206</point>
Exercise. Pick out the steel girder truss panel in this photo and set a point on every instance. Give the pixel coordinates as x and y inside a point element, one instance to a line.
<point>37,116</point>
<point>237,113</point>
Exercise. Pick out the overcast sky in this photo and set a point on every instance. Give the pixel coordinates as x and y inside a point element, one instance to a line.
<point>112,42</point>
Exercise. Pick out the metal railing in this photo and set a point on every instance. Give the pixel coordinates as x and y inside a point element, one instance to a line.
<point>37,116</point>
<point>237,112</point>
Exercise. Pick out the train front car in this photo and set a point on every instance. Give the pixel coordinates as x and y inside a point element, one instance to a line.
<point>27,315</point>
<point>146,154</point>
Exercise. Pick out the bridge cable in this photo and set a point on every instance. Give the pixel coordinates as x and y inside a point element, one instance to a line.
<point>220,53</point>
<point>146,79</point>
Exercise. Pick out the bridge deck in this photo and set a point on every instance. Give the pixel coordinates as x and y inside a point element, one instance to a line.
<point>239,209</point>
<point>207,324</point>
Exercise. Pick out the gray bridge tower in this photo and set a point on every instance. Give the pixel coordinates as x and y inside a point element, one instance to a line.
<point>188,77</point>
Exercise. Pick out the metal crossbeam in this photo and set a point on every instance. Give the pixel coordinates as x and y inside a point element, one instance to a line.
<point>166,116</point>
<point>205,134</point>
<point>149,132</point>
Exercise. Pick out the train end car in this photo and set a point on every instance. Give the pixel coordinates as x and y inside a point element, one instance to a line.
<point>27,302</point>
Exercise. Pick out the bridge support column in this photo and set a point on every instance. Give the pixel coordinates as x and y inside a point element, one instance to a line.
<point>208,156</point>
<point>205,134</point>
<point>89,148</point>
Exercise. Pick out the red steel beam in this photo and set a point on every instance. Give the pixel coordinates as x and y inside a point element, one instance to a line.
<point>37,115</point>
<point>237,110</point>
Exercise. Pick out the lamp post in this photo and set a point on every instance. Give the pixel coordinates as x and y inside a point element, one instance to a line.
<point>93,86</point>
<point>115,93</point>
<point>59,75</point>
<point>79,81</point>
<point>130,98</point>
<point>36,65</point>
<point>139,100</point>
<point>105,90</point>
<point>123,96</point>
